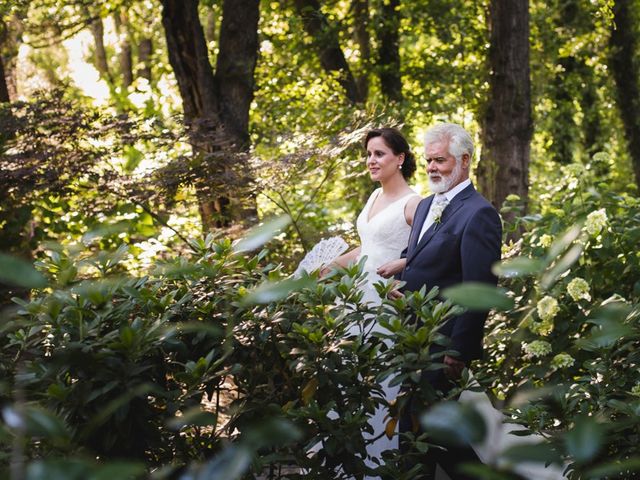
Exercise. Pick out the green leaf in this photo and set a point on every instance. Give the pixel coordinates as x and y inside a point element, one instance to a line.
<point>195,417</point>
<point>271,431</point>
<point>604,334</point>
<point>261,234</point>
<point>585,439</point>
<point>19,273</point>
<point>35,422</point>
<point>569,258</point>
<point>518,267</point>
<point>615,469</point>
<point>479,296</point>
<point>562,243</point>
<point>454,423</point>
<point>230,464</point>
<point>537,452</point>
<point>273,291</point>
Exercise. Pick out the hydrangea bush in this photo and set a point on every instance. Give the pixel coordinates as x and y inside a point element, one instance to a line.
<point>574,333</point>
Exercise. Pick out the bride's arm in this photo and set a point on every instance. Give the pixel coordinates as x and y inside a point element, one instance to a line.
<point>410,208</point>
<point>341,261</point>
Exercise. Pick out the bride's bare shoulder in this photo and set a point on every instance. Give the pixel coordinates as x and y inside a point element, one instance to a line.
<point>410,208</point>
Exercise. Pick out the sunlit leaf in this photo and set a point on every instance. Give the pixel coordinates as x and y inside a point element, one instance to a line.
<point>106,230</point>
<point>454,423</point>
<point>17,272</point>
<point>261,234</point>
<point>35,422</point>
<point>309,390</point>
<point>561,266</point>
<point>273,291</point>
<point>562,243</point>
<point>478,296</point>
<point>517,267</point>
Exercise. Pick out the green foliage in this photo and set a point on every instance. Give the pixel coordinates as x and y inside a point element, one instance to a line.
<point>573,277</point>
<point>190,365</point>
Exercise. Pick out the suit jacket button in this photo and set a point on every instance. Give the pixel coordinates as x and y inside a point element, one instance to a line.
<point>408,268</point>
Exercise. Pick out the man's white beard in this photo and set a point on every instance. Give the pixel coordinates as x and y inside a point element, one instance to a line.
<point>446,182</point>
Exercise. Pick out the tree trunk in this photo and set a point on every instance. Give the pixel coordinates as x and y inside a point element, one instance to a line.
<point>125,55</point>
<point>100,54</point>
<point>145,50</point>
<point>625,74</point>
<point>389,53</point>
<point>361,34</point>
<point>563,128</point>
<point>236,64</point>
<point>507,122</point>
<point>326,42</point>
<point>216,108</point>
<point>4,90</point>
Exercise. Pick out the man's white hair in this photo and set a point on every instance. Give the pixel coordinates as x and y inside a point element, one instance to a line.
<point>459,140</point>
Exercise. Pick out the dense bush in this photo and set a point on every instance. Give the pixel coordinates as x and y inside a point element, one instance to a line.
<point>171,367</point>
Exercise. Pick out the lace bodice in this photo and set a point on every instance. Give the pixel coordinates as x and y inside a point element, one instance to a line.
<point>382,238</point>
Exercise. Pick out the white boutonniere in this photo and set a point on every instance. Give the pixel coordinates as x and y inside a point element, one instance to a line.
<point>438,208</point>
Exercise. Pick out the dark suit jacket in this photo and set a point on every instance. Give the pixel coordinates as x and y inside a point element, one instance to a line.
<point>462,247</point>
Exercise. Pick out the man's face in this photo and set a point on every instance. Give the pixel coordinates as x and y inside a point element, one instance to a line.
<point>443,169</point>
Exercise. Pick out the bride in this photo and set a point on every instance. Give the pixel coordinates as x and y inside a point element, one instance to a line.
<point>383,227</point>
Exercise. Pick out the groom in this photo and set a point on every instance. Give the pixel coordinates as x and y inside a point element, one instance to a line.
<point>455,238</point>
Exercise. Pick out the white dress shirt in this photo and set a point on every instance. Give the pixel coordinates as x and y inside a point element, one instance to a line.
<point>439,197</point>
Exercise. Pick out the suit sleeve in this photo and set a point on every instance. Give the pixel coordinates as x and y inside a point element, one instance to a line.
<point>480,248</point>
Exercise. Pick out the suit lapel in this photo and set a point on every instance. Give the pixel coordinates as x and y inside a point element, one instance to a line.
<point>448,212</point>
<point>418,221</point>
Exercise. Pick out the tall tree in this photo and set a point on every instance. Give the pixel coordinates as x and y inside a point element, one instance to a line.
<point>100,54</point>
<point>145,50</point>
<point>507,124</point>
<point>362,37</point>
<point>121,20</point>
<point>327,44</point>
<point>388,33</point>
<point>4,90</point>
<point>216,105</point>
<point>623,45</point>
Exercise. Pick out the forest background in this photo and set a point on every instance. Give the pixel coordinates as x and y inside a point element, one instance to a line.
<point>140,139</point>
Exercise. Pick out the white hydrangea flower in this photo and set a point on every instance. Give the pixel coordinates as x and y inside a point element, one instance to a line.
<point>543,327</point>
<point>537,348</point>
<point>562,360</point>
<point>578,289</point>
<point>596,221</point>
<point>547,308</point>
<point>545,240</point>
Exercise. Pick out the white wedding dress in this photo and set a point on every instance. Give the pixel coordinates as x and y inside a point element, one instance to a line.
<point>383,237</point>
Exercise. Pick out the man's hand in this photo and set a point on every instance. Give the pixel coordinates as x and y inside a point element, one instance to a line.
<point>395,293</point>
<point>389,269</point>
<point>453,367</point>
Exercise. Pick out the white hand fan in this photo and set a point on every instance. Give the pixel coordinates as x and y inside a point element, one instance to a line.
<point>322,253</point>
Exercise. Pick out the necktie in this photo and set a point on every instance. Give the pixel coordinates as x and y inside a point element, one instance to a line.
<point>438,205</point>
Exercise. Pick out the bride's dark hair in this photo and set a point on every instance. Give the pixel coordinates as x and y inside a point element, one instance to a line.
<point>398,144</point>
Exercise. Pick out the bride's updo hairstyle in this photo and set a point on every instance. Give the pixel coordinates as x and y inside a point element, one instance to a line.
<point>398,144</point>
